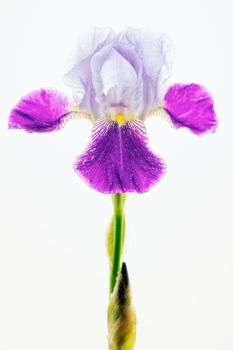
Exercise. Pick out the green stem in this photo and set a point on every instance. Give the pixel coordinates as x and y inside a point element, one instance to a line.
<point>118,236</point>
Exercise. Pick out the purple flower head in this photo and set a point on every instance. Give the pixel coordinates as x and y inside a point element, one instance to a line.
<point>118,80</point>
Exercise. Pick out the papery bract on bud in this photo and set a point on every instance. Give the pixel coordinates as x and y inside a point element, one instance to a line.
<point>121,314</point>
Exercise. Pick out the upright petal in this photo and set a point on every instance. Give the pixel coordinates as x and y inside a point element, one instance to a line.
<point>191,106</point>
<point>124,83</point>
<point>41,111</point>
<point>80,78</point>
<point>127,69</point>
<point>118,159</point>
<point>93,40</point>
<point>155,51</point>
<point>119,80</point>
<point>140,93</point>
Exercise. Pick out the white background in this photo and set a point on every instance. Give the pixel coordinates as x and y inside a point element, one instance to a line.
<point>179,250</point>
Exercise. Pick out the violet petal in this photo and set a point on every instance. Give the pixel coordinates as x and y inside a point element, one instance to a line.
<point>191,106</point>
<point>42,110</point>
<point>118,159</point>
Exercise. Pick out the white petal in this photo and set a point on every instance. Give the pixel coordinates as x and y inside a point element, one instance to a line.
<point>155,51</point>
<point>80,67</point>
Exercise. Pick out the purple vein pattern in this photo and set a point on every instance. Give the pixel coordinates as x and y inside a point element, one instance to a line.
<point>119,74</point>
<point>191,106</point>
<point>119,160</point>
<point>41,111</point>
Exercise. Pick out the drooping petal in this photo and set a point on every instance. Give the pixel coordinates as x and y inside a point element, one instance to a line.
<point>42,110</point>
<point>118,159</point>
<point>191,106</point>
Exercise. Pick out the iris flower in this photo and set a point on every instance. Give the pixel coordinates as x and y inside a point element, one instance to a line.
<point>118,81</point>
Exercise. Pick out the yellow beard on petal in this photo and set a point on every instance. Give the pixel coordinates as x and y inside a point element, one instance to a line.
<point>74,108</point>
<point>122,119</point>
<point>76,113</point>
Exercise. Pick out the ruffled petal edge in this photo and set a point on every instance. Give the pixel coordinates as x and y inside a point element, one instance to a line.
<point>191,106</point>
<point>42,110</point>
